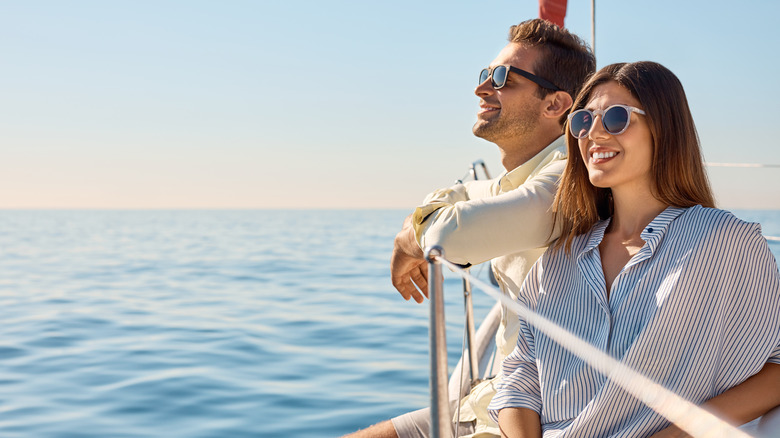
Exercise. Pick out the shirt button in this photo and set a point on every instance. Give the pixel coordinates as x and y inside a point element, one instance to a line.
<point>649,230</point>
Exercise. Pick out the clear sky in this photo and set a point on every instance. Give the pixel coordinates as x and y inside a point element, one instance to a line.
<point>330,104</point>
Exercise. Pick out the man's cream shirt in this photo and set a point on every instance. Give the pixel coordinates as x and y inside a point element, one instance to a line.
<point>507,220</point>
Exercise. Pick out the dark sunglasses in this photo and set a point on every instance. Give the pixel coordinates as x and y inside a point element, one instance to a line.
<point>615,120</point>
<point>499,73</point>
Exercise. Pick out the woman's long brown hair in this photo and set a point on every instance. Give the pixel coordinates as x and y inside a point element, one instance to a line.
<point>677,167</point>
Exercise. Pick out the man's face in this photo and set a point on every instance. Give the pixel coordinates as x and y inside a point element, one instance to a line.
<point>508,114</point>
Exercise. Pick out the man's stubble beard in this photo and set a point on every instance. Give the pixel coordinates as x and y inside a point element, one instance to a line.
<point>504,127</point>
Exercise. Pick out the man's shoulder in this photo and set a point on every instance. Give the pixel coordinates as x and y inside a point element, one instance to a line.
<point>552,159</point>
<point>549,169</point>
<point>555,165</point>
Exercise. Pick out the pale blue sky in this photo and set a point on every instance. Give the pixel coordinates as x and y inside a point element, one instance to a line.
<point>329,104</point>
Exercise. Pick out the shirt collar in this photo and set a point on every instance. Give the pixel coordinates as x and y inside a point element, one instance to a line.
<point>596,235</point>
<point>518,176</point>
<point>652,234</point>
<point>656,229</point>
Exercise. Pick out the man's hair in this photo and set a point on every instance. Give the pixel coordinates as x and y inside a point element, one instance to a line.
<point>564,58</point>
<point>677,167</point>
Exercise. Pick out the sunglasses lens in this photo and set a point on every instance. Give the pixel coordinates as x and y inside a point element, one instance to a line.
<point>483,75</point>
<point>616,119</point>
<point>581,121</point>
<point>499,77</point>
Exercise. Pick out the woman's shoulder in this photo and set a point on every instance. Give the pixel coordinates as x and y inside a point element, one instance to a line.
<point>718,224</point>
<point>716,217</point>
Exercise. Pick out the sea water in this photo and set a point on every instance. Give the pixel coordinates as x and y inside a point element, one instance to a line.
<point>213,323</point>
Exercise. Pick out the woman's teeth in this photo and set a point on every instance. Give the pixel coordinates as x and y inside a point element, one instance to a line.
<point>602,155</point>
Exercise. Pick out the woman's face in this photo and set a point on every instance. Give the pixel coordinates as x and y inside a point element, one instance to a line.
<point>620,162</point>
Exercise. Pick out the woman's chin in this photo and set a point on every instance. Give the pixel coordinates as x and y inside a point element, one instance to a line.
<point>598,180</point>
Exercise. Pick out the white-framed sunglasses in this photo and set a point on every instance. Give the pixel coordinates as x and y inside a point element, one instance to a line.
<point>615,120</point>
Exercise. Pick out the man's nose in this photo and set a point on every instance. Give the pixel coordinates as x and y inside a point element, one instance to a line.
<point>485,88</point>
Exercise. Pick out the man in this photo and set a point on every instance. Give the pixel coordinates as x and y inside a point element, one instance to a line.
<point>524,97</point>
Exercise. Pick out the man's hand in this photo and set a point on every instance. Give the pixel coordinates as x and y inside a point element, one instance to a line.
<point>408,268</point>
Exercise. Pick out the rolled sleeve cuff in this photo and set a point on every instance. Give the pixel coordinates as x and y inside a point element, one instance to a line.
<point>515,400</point>
<point>421,214</point>
<point>517,390</point>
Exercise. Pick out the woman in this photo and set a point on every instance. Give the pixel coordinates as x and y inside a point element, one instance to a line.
<point>647,270</point>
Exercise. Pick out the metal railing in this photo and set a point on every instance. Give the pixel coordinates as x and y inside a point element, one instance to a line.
<point>472,172</point>
<point>468,305</point>
<point>470,332</point>
<point>441,419</point>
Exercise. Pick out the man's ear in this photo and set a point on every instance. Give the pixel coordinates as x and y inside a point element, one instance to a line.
<point>558,103</point>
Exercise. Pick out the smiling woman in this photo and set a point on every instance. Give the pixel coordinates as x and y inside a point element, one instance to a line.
<point>643,252</point>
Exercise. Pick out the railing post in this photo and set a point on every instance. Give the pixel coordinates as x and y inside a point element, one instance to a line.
<point>441,420</point>
<point>468,302</point>
<point>470,332</point>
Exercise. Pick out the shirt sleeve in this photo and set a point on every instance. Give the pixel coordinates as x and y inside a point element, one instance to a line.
<point>762,282</point>
<point>474,226</point>
<point>775,356</point>
<point>519,386</point>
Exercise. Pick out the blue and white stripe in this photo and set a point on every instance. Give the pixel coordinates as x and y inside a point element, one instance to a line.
<point>697,310</point>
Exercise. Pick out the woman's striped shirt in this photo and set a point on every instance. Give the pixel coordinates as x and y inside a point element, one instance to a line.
<point>697,310</point>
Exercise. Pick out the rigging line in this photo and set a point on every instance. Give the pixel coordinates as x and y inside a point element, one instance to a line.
<point>687,416</point>
<point>742,165</point>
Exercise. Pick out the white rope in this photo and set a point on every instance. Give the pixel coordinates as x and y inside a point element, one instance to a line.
<point>687,416</point>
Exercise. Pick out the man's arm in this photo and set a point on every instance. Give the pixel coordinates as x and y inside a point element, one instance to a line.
<point>408,270</point>
<point>477,230</point>
<point>473,225</point>
<point>745,402</point>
